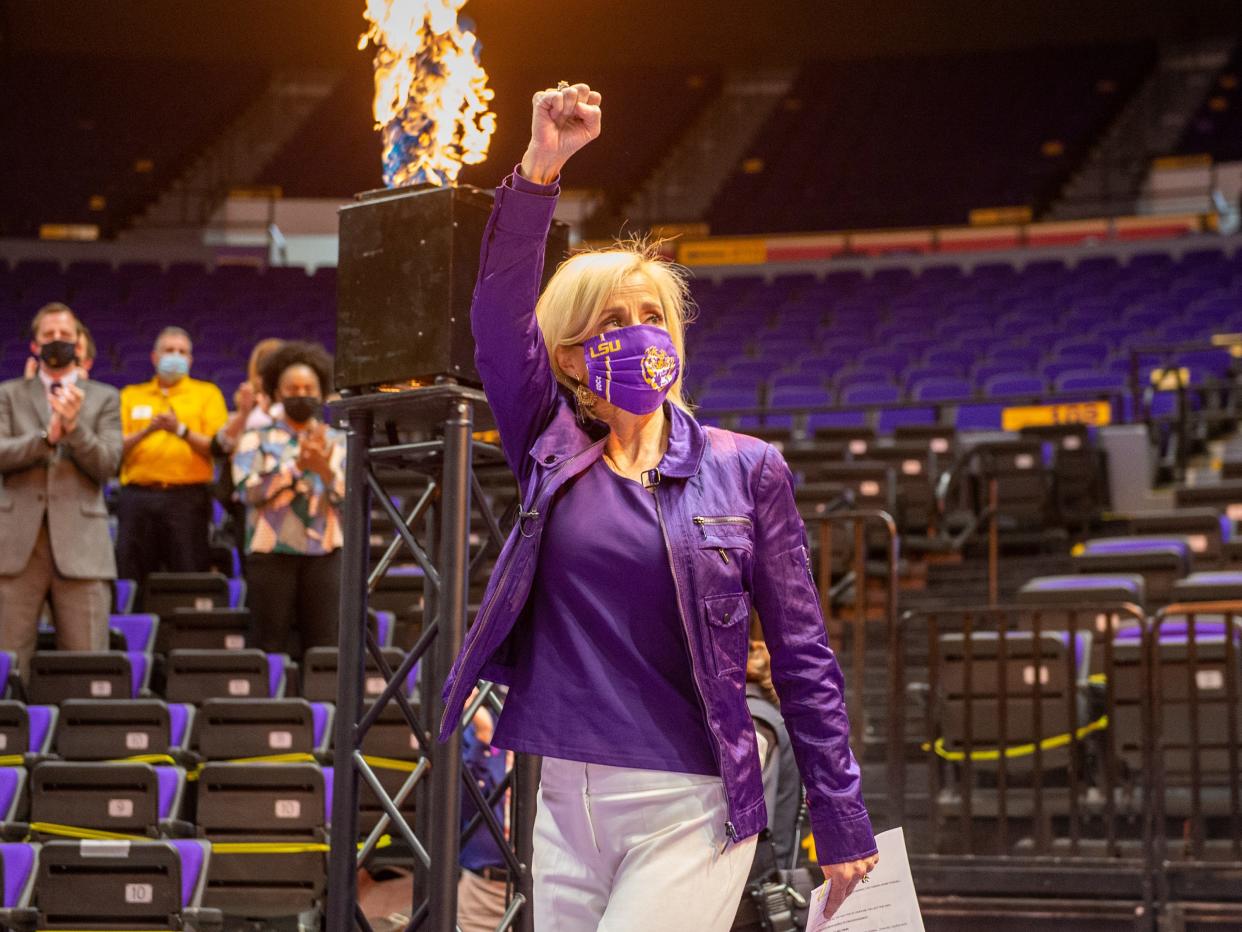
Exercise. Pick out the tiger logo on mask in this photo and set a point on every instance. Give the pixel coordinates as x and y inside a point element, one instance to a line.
<point>659,368</point>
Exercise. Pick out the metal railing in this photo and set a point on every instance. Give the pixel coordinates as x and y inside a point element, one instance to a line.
<point>856,577</point>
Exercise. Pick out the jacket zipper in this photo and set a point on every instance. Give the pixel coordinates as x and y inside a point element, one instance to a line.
<point>484,619</point>
<point>730,831</point>
<point>702,521</point>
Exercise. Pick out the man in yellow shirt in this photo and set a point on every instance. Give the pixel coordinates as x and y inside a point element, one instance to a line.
<point>164,508</point>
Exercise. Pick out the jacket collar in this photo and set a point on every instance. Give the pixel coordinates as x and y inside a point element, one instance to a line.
<point>565,437</point>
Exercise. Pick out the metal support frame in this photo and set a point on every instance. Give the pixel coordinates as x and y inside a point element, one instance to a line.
<point>448,463</point>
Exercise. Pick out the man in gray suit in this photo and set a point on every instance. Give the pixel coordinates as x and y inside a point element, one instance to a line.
<point>60,441</point>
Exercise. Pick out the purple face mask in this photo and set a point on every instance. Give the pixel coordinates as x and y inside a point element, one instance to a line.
<point>632,367</point>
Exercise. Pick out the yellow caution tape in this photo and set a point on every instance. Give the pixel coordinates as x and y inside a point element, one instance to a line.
<point>1020,750</point>
<point>292,758</point>
<point>266,847</point>
<point>146,759</point>
<point>391,763</point>
<point>86,834</point>
<point>222,847</point>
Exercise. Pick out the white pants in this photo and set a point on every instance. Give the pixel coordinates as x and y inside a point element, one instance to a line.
<point>624,850</point>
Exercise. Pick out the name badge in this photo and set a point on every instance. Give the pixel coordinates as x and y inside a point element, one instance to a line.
<point>140,412</point>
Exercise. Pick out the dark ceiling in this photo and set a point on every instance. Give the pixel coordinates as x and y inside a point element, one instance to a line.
<point>574,35</point>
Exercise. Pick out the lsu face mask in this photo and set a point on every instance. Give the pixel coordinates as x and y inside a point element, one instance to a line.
<point>632,367</point>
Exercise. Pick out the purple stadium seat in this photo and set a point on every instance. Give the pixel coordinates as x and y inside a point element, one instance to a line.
<point>1089,380</point>
<point>871,394</point>
<point>138,630</point>
<point>889,419</point>
<point>941,389</point>
<point>1007,386</point>
<point>18,861</point>
<point>978,416</point>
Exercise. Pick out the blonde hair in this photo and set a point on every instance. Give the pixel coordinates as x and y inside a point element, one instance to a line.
<point>585,282</point>
<point>261,351</point>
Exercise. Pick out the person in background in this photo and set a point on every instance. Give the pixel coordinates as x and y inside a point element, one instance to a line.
<point>291,478</point>
<point>164,507</point>
<point>60,441</point>
<point>252,408</point>
<point>484,877</point>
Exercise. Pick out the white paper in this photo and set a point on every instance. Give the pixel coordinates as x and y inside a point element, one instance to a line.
<point>884,901</point>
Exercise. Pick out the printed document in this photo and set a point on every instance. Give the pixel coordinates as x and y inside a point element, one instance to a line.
<point>883,901</point>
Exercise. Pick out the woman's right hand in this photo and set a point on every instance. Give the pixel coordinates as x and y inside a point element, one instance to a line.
<point>563,122</point>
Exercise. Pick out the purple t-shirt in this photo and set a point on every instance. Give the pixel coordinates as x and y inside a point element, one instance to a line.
<point>602,667</point>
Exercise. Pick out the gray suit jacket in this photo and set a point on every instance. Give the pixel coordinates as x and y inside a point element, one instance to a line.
<point>66,483</point>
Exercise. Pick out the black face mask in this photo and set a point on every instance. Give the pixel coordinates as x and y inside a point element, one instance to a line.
<point>301,408</point>
<point>57,354</point>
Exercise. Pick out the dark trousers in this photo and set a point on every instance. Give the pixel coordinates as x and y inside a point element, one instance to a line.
<point>287,592</point>
<point>162,529</point>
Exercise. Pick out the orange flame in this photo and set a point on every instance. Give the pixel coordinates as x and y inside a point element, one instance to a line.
<point>431,93</point>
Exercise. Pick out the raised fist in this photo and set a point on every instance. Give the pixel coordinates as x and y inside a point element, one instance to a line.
<point>564,120</point>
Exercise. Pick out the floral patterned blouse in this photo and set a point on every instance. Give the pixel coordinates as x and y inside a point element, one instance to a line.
<point>288,510</point>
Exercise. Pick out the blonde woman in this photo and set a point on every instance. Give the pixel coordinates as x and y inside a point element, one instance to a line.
<point>619,609</point>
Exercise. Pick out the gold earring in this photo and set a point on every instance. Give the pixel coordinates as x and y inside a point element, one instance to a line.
<point>584,396</point>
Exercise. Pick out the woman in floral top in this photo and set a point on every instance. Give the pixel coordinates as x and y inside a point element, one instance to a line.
<point>291,477</point>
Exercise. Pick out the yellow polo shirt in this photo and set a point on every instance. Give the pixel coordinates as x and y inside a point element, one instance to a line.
<point>163,457</point>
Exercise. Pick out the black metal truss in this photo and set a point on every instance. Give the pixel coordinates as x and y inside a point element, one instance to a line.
<point>380,431</point>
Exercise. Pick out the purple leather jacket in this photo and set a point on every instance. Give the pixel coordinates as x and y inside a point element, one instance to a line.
<point>733,538</point>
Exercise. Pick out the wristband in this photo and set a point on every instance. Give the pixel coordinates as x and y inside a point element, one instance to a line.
<point>182,430</point>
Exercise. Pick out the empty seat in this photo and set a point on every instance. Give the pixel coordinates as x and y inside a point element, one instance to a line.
<point>1086,587</point>
<point>203,629</point>
<point>1191,689</point>
<point>94,729</point>
<point>124,593</point>
<point>1221,586</point>
<point>914,469</point>
<point>26,729</point>
<point>196,675</point>
<point>8,671</point>
<point>165,592</point>
<point>1023,486</point>
<point>1201,527</point>
<point>134,885</point>
<point>1160,560</point>
<point>59,675</point>
<point>12,794</point>
<point>265,804</point>
<point>138,631</point>
<point>1042,678</point>
<point>227,729</point>
<point>19,863</point>
<point>319,671</point>
<point>128,797</point>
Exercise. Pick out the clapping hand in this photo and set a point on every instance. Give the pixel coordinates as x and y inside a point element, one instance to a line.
<point>165,420</point>
<point>313,451</point>
<point>564,120</point>
<point>65,405</point>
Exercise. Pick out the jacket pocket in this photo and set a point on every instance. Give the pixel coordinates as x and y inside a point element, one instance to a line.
<point>728,619</point>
